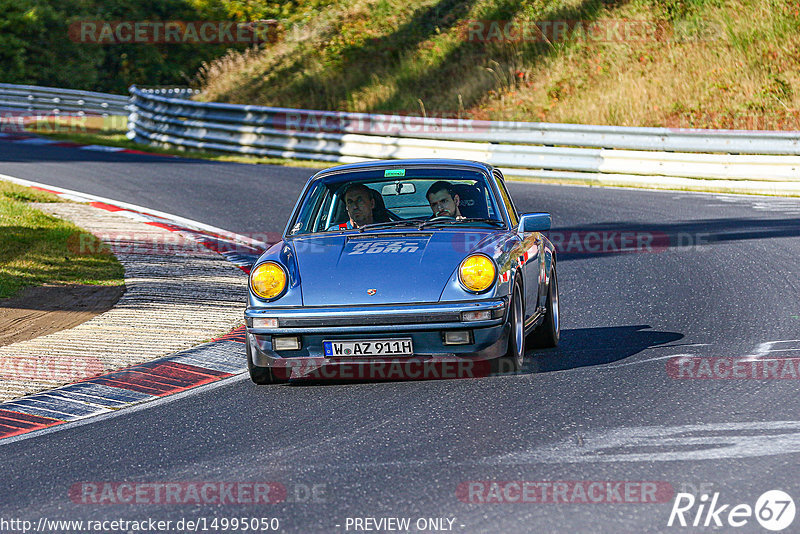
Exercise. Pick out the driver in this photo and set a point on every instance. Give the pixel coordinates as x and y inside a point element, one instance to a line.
<point>442,200</point>
<point>359,202</point>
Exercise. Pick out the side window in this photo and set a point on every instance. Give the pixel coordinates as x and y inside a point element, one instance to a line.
<point>309,211</point>
<point>512,211</point>
<point>490,204</point>
<point>321,219</point>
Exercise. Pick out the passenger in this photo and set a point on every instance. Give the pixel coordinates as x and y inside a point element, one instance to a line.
<point>442,200</point>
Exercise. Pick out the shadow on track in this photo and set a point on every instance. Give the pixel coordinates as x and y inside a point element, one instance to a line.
<point>581,347</point>
<point>604,239</point>
<point>585,347</point>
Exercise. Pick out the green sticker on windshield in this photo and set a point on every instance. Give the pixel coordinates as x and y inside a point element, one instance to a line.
<point>394,172</point>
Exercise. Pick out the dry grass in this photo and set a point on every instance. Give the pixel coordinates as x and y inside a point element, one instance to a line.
<point>745,78</point>
<point>717,64</point>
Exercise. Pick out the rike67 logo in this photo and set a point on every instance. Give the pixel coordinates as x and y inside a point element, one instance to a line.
<point>774,510</point>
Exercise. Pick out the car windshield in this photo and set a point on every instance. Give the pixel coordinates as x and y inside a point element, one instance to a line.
<point>384,198</point>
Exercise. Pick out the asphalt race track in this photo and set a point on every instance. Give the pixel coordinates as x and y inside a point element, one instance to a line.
<point>708,276</point>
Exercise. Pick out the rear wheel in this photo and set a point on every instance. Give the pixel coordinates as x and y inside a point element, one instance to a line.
<point>514,356</point>
<point>548,333</point>
<point>259,375</point>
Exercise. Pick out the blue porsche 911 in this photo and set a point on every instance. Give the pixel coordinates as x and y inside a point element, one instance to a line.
<point>402,260</point>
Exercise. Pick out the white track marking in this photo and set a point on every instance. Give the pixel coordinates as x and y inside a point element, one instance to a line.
<point>784,205</point>
<point>766,348</point>
<point>84,197</point>
<point>35,141</point>
<point>708,441</point>
<point>648,360</point>
<point>101,148</point>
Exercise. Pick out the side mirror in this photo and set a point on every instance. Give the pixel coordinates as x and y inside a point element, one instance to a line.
<point>534,222</point>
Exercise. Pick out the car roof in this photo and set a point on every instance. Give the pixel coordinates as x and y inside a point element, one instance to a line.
<point>395,163</point>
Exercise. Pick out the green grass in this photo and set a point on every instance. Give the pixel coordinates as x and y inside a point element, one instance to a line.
<point>36,248</point>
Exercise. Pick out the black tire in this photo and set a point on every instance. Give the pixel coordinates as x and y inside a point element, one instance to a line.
<point>548,333</point>
<point>260,375</point>
<point>512,361</point>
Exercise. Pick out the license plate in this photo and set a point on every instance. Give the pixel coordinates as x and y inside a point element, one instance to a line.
<point>369,347</point>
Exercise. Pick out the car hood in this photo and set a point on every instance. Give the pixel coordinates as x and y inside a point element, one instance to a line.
<point>380,268</point>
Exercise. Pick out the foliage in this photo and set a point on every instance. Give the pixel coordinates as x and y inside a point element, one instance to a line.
<point>36,46</point>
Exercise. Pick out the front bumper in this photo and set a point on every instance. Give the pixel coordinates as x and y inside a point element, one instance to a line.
<point>423,323</point>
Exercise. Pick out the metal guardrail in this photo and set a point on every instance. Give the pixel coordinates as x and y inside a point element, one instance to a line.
<point>529,149</point>
<point>55,101</point>
<point>617,137</point>
<point>545,150</point>
<point>185,93</point>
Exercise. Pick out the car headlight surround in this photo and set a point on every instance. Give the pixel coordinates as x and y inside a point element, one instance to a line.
<point>268,280</point>
<point>477,273</point>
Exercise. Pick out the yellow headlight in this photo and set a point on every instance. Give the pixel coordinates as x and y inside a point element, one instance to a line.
<point>268,280</point>
<point>477,273</point>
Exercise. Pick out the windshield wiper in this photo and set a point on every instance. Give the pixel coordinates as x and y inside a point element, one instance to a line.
<point>493,222</point>
<point>388,224</point>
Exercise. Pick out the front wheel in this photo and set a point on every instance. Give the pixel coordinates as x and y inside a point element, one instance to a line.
<point>514,356</point>
<point>548,333</point>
